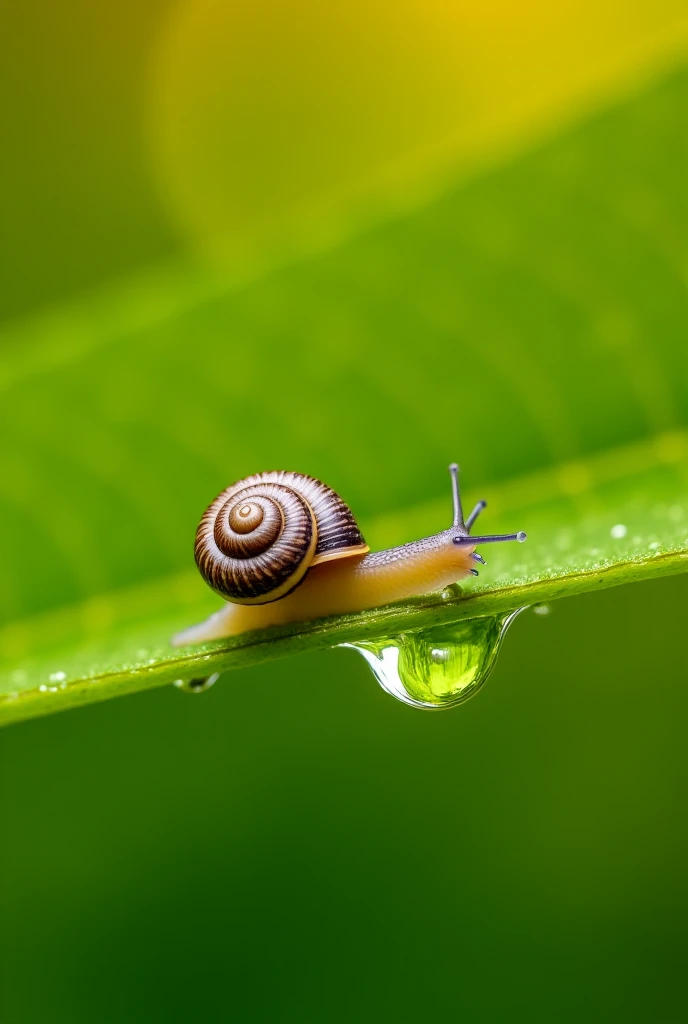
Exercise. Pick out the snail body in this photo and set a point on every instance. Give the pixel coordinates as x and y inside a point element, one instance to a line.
<point>283,547</point>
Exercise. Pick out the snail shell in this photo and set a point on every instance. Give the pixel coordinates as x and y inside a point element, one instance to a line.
<point>259,538</point>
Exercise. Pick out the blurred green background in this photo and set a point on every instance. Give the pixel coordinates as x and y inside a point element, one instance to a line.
<point>358,240</point>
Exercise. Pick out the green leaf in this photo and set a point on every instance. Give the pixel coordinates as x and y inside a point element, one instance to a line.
<point>530,324</point>
<point>606,534</point>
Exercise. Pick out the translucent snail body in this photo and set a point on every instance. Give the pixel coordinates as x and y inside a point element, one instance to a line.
<point>282,547</point>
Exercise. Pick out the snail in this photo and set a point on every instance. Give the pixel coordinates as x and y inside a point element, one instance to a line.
<point>283,547</point>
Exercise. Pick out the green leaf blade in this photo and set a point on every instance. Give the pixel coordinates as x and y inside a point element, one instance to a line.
<point>530,323</point>
<point>606,534</point>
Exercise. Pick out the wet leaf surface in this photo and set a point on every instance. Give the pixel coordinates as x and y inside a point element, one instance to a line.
<point>530,323</point>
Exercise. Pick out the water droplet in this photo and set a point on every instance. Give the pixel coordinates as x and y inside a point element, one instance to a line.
<point>618,531</point>
<point>198,685</point>
<point>654,546</point>
<point>57,677</point>
<point>438,667</point>
<point>542,609</point>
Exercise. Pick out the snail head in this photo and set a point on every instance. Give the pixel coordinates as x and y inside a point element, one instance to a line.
<point>461,527</point>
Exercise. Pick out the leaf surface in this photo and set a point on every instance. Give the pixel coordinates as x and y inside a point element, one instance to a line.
<point>530,324</point>
<point>602,536</point>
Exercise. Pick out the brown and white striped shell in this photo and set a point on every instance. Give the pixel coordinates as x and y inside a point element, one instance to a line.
<point>259,538</point>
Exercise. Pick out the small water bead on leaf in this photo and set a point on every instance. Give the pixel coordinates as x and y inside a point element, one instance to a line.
<point>619,531</point>
<point>197,685</point>
<point>438,667</point>
<point>542,609</point>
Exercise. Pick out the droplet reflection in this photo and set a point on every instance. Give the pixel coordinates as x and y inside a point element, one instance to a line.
<point>198,685</point>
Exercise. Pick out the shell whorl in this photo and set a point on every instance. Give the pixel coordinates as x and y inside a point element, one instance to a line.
<point>258,539</point>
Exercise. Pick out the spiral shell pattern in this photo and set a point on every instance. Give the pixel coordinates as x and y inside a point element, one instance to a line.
<point>258,539</point>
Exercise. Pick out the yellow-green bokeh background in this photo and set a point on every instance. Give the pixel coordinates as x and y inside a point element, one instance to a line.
<point>295,845</point>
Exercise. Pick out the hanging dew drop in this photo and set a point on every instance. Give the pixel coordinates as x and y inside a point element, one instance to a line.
<point>197,685</point>
<point>439,667</point>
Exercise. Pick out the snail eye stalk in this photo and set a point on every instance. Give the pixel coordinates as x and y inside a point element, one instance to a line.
<point>475,513</point>
<point>491,538</point>
<point>464,527</point>
<point>458,522</point>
